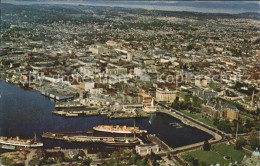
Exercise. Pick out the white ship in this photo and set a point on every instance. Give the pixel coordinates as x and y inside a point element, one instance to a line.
<point>20,142</point>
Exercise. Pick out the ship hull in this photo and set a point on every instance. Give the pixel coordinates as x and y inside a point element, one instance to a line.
<point>21,144</point>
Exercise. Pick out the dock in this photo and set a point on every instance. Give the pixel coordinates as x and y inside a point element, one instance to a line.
<point>155,140</point>
<point>177,125</point>
<point>77,111</point>
<point>87,138</point>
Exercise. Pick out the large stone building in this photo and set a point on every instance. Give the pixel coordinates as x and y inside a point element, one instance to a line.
<point>218,108</point>
<point>165,95</point>
<point>146,149</point>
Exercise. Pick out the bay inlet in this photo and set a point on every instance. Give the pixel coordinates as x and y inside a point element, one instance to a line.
<point>24,112</point>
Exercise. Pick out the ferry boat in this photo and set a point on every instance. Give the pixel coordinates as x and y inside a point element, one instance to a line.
<point>16,142</point>
<point>119,129</point>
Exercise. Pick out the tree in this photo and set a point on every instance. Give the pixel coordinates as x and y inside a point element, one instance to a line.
<point>248,124</point>
<point>206,146</point>
<point>253,139</point>
<point>196,102</point>
<point>187,157</point>
<point>6,161</point>
<point>175,104</point>
<point>195,162</point>
<point>203,163</point>
<point>116,156</point>
<point>224,126</point>
<point>216,121</point>
<point>134,157</point>
<point>86,162</point>
<point>238,145</point>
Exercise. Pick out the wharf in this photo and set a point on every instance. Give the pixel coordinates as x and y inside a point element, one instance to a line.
<point>86,138</point>
<point>119,115</point>
<point>77,111</point>
<point>155,140</point>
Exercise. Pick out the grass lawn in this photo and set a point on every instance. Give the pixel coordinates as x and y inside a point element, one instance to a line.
<point>199,117</point>
<point>236,155</point>
<point>209,157</point>
<point>213,157</point>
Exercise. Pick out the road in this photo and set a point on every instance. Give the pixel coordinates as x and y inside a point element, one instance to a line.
<point>29,156</point>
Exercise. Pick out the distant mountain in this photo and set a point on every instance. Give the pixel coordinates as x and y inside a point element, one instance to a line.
<point>224,4</point>
<point>219,4</point>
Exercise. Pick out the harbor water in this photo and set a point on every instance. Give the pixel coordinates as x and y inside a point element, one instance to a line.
<point>25,112</point>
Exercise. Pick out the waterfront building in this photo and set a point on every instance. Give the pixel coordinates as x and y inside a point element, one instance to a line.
<point>146,149</point>
<point>165,95</point>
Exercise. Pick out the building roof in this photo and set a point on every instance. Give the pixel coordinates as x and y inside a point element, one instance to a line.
<point>256,153</point>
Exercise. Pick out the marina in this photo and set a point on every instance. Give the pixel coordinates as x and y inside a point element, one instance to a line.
<point>86,138</point>
<point>36,116</point>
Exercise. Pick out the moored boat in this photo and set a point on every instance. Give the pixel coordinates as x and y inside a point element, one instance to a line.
<point>17,142</point>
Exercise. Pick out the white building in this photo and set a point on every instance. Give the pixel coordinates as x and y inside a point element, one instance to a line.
<point>146,149</point>
<point>165,95</point>
<point>89,85</point>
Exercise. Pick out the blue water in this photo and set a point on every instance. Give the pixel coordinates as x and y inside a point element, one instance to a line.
<point>23,112</point>
<point>231,7</point>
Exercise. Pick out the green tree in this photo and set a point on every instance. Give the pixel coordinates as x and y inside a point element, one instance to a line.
<point>86,162</point>
<point>187,157</point>
<point>134,157</point>
<point>102,155</point>
<point>206,146</point>
<point>195,162</point>
<point>224,126</point>
<point>203,163</point>
<point>175,104</point>
<point>253,139</point>
<point>6,161</point>
<point>238,145</point>
<point>248,124</point>
<point>115,156</point>
<point>216,121</point>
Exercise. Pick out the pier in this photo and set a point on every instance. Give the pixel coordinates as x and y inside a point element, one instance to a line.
<point>92,138</point>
